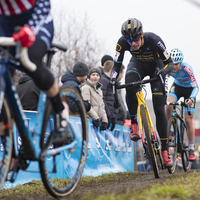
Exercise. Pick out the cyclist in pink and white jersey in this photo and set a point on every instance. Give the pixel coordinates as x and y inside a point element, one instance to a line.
<point>185,85</point>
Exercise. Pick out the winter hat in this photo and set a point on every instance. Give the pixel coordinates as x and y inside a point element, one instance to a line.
<point>80,69</point>
<point>105,58</point>
<point>94,70</point>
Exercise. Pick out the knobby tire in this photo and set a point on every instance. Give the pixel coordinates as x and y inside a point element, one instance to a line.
<point>53,186</point>
<point>149,142</point>
<point>6,141</point>
<point>185,151</point>
<point>172,143</point>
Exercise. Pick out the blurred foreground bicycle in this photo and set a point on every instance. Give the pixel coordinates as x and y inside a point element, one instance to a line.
<point>37,144</point>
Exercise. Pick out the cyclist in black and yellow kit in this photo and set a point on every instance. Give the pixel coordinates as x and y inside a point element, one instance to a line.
<point>148,53</point>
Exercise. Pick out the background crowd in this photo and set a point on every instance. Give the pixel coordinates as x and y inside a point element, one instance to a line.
<point>94,85</point>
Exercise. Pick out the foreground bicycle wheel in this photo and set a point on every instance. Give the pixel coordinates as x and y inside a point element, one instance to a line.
<point>74,158</point>
<point>171,134</point>
<point>6,142</point>
<point>149,142</point>
<point>185,151</point>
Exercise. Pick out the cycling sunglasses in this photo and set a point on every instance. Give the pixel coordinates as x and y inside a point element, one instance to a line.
<point>133,40</point>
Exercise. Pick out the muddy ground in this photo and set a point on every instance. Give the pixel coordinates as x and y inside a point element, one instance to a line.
<point>130,182</point>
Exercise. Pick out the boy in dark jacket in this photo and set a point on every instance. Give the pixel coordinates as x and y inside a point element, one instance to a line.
<point>74,79</point>
<point>108,95</point>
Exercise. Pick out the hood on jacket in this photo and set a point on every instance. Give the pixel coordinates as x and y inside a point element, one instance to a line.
<point>24,79</point>
<point>69,76</point>
<point>92,84</point>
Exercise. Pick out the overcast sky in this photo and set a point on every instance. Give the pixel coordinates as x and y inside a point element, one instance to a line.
<point>177,22</point>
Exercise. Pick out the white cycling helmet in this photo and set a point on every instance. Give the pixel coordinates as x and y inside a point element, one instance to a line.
<point>176,55</point>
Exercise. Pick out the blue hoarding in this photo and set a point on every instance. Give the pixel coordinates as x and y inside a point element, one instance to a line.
<point>108,152</point>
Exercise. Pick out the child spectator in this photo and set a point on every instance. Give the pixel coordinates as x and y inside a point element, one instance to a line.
<point>108,95</point>
<point>79,75</point>
<point>91,92</point>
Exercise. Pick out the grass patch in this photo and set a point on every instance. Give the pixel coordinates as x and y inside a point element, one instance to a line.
<point>181,188</point>
<point>184,187</point>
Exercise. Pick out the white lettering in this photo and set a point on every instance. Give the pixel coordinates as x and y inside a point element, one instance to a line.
<point>166,54</point>
<point>117,54</point>
<point>190,73</point>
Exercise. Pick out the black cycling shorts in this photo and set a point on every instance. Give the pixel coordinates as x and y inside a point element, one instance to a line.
<point>139,70</point>
<point>177,92</point>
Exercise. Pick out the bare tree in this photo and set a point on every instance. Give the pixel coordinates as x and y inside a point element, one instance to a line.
<point>76,32</point>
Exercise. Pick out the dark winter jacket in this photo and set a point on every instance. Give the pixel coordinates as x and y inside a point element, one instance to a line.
<point>28,93</point>
<point>70,79</point>
<point>108,95</point>
<point>122,112</point>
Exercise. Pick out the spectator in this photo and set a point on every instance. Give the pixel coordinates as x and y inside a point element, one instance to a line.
<point>74,79</point>
<point>103,60</point>
<point>108,95</point>
<point>92,93</point>
<point>28,93</point>
<point>122,112</point>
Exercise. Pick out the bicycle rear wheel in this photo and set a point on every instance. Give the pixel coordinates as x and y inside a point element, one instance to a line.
<point>6,141</point>
<point>185,150</point>
<point>72,160</point>
<point>151,151</point>
<point>172,142</point>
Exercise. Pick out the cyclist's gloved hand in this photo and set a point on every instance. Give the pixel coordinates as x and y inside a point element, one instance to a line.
<point>103,126</point>
<point>96,123</point>
<point>189,101</point>
<point>162,72</point>
<point>113,81</point>
<point>113,124</point>
<point>26,36</point>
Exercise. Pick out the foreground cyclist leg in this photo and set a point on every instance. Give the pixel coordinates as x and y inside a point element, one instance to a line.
<point>132,104</point>
<point>37,33</point>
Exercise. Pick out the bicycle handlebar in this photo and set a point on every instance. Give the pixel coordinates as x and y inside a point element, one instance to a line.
<point>137,83</point>
<point>181,103</point>
<point>23,52</point>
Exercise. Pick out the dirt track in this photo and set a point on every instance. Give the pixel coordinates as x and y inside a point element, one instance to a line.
<point>129,182</point>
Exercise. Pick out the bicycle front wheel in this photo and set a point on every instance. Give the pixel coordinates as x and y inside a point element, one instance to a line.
<point>185,150</point>
<point>151,152</point>
<point>6,141</point>
<point>172,142</point>
<point>71,160</point>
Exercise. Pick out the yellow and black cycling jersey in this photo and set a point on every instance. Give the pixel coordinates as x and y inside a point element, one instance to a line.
<point>153,49</point>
